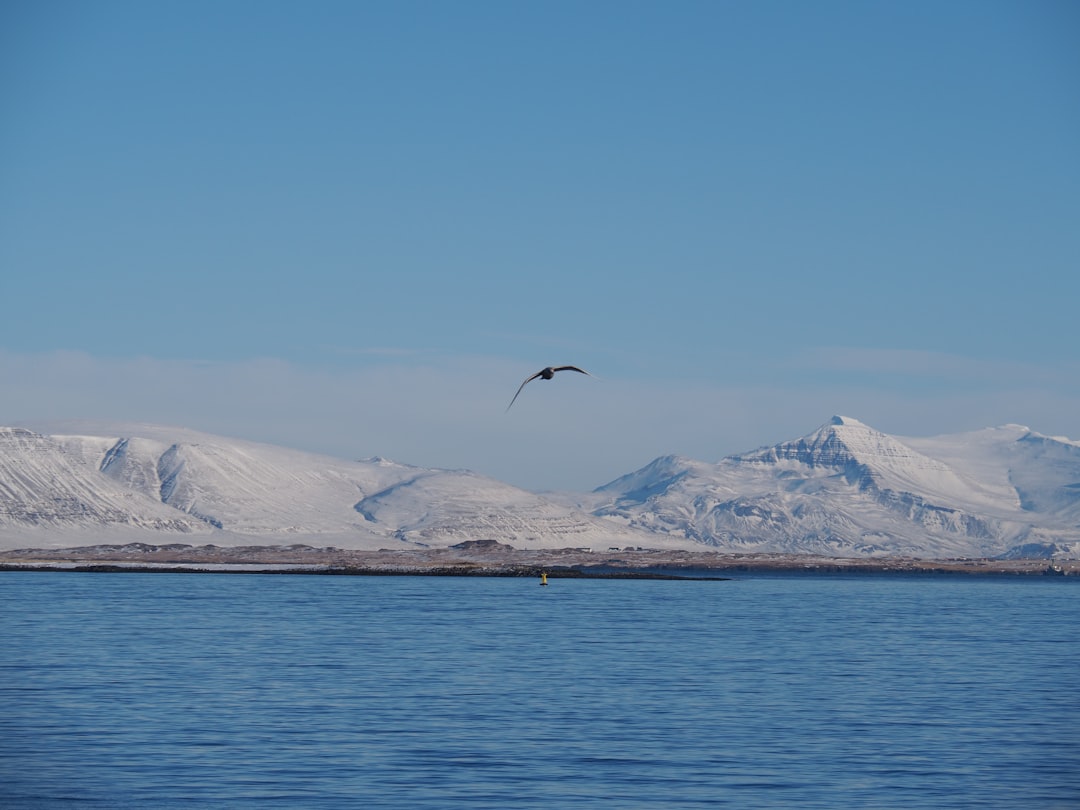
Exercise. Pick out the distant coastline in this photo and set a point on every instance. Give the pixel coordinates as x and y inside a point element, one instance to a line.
<point>496,560</point>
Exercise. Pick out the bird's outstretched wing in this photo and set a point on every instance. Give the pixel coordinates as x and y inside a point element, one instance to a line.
<point>527,381</point>
<point>547,374</point>
<point>571,368</point>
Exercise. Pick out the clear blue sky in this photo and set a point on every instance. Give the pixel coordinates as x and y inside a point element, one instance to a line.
<point>355,227</point>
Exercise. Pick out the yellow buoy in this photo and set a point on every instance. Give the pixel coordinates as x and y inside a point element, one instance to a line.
<point>543,578</point>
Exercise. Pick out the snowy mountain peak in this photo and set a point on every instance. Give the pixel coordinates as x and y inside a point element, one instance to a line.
<point>664,469</point>
<point>843,489</point>
<point>847,488</point>
<point>1033,436</point>
<point>381,461</point>
<point>1012,427</point>
<point>844,444</point>
<point>846,420</point>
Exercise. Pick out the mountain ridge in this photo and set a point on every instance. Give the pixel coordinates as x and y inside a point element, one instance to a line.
<point>848,488</point>
<point>63,489</point>
<point>842,489</point>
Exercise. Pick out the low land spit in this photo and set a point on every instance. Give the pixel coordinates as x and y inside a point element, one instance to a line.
<point>488,558</point>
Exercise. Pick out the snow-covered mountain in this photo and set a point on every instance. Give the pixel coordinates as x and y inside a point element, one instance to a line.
<point>844,489</point>
<point>849,489</point>
<point>91,484</point>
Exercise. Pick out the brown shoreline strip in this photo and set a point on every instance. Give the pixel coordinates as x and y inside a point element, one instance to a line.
<point>451,571</point>
<point>496,559</point>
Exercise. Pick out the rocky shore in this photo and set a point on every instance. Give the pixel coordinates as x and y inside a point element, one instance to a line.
<point>489,558</point>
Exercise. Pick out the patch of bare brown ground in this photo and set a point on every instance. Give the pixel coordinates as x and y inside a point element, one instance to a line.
<point>495,559</point>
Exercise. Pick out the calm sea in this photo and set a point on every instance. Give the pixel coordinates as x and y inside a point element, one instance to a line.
<point>263,691</point>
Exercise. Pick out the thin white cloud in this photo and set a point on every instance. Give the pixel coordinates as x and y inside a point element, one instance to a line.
<point>450,411</point>
<point>374,351</point>
<point>937,365</point>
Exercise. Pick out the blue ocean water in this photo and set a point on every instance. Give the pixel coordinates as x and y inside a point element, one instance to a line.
<point>260,691</point>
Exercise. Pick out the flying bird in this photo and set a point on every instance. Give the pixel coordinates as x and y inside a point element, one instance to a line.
<point>546,374</point>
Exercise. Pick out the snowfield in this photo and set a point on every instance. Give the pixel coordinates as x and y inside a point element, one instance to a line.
<point>145,482</point>
<point>843,490</point>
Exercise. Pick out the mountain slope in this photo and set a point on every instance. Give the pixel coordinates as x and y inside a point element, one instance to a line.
<point>445,508</point>
<point>71,488</point>
<point>844,489</point>
<point>43,484</point>
<point>849,489</point>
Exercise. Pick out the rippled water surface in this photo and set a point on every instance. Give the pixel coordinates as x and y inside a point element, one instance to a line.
<point>253,691</point>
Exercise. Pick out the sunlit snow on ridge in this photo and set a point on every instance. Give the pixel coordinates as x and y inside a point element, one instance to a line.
<point>843,489</point>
